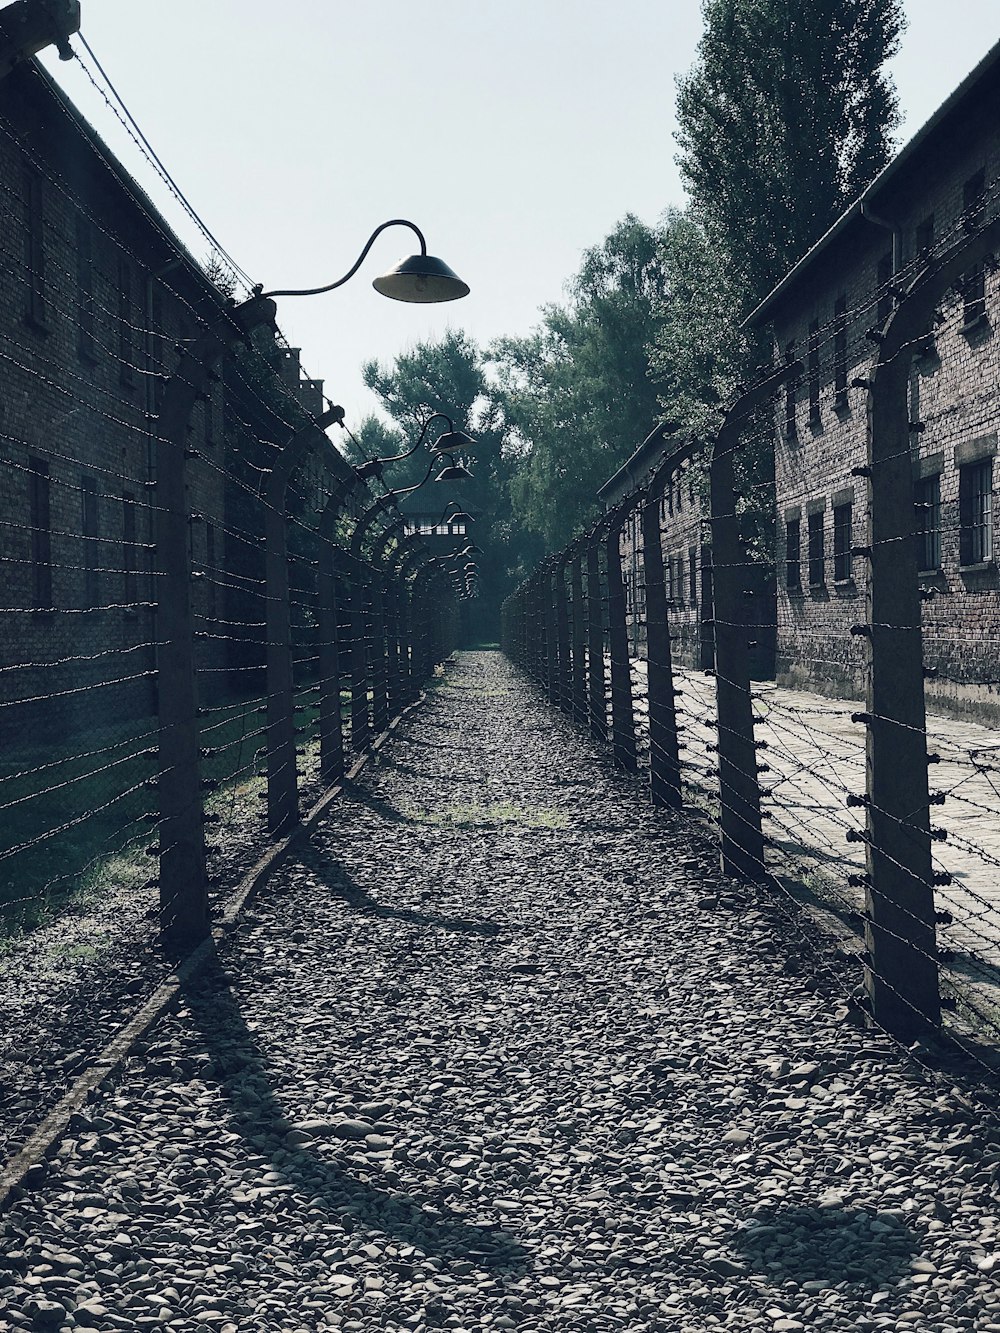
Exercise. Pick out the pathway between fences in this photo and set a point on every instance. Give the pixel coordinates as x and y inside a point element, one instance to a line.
<point>501,1049</point>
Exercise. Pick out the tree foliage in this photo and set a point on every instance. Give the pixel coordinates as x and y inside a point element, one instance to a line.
<point>785,117</point>
<point>575,391</point>
<point>449,376</point>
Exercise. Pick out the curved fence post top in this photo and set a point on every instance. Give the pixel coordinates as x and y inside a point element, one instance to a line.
<point>294,451</point>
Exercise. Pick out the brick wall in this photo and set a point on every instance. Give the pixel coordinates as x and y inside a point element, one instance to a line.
<point>823,318</point>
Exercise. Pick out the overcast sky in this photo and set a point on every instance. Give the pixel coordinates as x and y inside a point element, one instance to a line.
<point>515,133</point>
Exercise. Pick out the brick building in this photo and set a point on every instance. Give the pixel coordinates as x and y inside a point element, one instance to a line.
<point>686,559</point>
<point>95,295</point>
<point>826,313</point>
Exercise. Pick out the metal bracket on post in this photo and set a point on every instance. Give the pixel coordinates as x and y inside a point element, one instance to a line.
<point>282,775</point>
<point>622,714</point>
<point>739,785</point>
<point>183,891</point>
<point>900,936</point>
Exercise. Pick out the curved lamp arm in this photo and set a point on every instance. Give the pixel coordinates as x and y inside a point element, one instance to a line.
<point>318,291</point>
<point>443,416</point>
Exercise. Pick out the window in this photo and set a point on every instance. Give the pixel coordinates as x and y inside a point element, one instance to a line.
<point>814,417</point>
<point>89,528</point>
<point>974,280</point>
<point>34,250</point>
<point>41,533</point>
<point>793,555</point>
<point>128,548</point>
<point>85,344</point>
<point>927,508</point>
<point>790,389</point>
<point>817,551</point>
<point>126,342</point>
<point>668,578</point>
<point>693,575</point>
<point>924,237</point>
<point>883,282</point>
<point>975,501</point>
<point>840,352</point>
<point>842,542</point>
<point>678,579</point>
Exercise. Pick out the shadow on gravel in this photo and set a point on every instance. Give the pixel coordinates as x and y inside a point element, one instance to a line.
<point>245,1080</point>
<point>338,883</point>
<point>828,1245</point>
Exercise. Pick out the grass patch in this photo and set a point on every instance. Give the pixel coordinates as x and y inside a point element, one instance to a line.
<point>471,815</point>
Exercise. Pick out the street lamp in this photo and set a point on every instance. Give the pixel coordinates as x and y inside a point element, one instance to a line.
<point>418,278</point>
<point>450,443</point>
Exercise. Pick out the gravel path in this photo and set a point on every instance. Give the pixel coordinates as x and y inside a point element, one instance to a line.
<point>501,1052</point>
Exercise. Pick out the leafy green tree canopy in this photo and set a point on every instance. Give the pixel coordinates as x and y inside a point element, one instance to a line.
<point>575,391</point>
<point>785,117</point>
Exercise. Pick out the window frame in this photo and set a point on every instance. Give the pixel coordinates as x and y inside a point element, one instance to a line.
<point>816,547</point>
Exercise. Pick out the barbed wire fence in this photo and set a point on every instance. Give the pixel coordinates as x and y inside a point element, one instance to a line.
<point>826,801</point>
<point>188,621</point>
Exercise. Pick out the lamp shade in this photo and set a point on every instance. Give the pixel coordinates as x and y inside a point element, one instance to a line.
<point>454,441</point>
<point>454,472</point>
<point>421,278</point>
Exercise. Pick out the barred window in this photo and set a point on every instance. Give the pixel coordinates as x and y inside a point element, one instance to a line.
<point>793,555</point>
<point>840,352</point>
<point>813,364</point>
<point>974,279</point>
<point>842,541</point>
<point>927,508</point>
<point>975,497</point>
<point>817,550</point>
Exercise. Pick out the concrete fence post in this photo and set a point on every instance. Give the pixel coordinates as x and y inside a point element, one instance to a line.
<point>183,889</point>
<point>622,713</point>
<point>596,675</point>
<point>664,758</point>
<point>563,696</point>
<point>578,635</point>
<point>282,773</point>
<point>739,782</point>
<point>901,971</point>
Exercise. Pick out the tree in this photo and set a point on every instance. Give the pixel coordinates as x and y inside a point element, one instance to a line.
<point>785,117</point>
<point>575,392</point>
<point>697,353</point>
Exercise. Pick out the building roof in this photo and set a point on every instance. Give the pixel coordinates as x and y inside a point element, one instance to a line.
<point>635,470</point>
<point>938,130</point>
